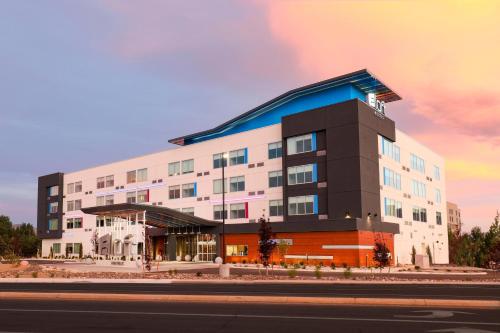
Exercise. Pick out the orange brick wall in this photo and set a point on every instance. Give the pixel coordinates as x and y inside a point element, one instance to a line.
<point>310,243</point>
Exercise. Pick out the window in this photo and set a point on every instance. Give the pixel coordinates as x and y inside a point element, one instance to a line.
<point>236,250</point>
<point>174,192</point>
<point>142,196</point>
<point>276,208</point>
<point>238,211</point>
<point>393,208</point>
<point>110,181</point>
<point>53,191</point>
<point>300,144</point>
<point>99,201</point>
<point>131,176</point>
<point>302,205</point>
<point>237,184</point>
<point>189,190</point>
<point>301,174</point>
<point>439,220</point>
<point>418,189</point>
<point>174,168</point>
<point>218,158</point>
<point>142,175</point>
<point>237,156</point>
<point>53,224</point>
<point>217,184</point>
<point>71,188</point>
<point>78,187</point>
<point>69,248</point>
<point>101,182</point>
<point>70,206</point>
<point>131,197</point>
<point>53,207</point>
<point>275,178</point>
<point>275,150</point>
<point>77,222</point>
<point>438,196</point>
<point>188,210</point>
<point>419,214</point>
<point>417,163</point>
<point>392,179</point>
<point>188,166</point>
<point>76,248</point>
<point>437,173</point>
<point>110,200</point>
<point>218,212</point>
<point>390,149</point>
<point>78,204</point>
<point>56,248</point>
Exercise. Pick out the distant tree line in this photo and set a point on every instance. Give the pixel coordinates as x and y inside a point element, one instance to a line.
<point>20,241</point>
<point>476,248</point>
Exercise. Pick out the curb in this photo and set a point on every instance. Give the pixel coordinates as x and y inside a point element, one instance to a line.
<point>253,299</point>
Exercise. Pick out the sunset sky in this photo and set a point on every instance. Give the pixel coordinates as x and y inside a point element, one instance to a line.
<point>93,81</point>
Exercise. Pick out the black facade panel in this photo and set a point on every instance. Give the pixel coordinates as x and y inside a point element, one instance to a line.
<point>43,215</point>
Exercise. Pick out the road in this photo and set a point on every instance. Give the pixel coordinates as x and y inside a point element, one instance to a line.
<point>431,291</point>
<point>83,316</point>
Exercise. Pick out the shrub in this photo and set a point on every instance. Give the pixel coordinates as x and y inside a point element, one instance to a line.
<point>317,272</point>
<point>301,263</point>
<point>417,268</point>
<point>348,273</point>
<point>320,264</point>
<point>282,264</point>
<point>52,274</point>
<point>273,263</point>
<point>34,274</point>
<point>332,266</point>
<point>170,272</point>
<point>344,265</point>
<point>175,271</point>
<point>244,261</point>
<point>17,275</point>
<point>296,266</point>
<point>292,273</point>
<point>256,261</point>
<point>199,273</point>
<point>13,259</point>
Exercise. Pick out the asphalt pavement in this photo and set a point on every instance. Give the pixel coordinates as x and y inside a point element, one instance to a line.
<point>428,291</point>
<point>82,316</point>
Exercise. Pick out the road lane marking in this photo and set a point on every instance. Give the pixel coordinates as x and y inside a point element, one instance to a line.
<point>433,314</point>
<point>248,316</point>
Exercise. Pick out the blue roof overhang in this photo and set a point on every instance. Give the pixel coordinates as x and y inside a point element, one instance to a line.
<point>362,80</point>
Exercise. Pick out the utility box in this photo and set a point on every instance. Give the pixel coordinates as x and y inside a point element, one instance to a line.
<point>422,261</point>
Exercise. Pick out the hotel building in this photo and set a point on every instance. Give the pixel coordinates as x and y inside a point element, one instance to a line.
<point>324,163</point>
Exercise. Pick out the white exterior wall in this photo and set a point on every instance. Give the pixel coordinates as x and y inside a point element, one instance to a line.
<point>256,179</point>
<point>414,233</point>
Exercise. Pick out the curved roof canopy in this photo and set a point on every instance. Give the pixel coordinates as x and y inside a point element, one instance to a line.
<point>360,84</point>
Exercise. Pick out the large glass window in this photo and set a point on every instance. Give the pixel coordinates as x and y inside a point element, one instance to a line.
<point>174,168</point>
<point>437,173</point>
<point>142,175</point>
<point>53,207</point>
<point>110,181</point>
<point>417,163</point>
<point>237,157</point>
<point>419,214</point>
<point>438,196</point>
<point>237,184</point>
<point>393,208</point>
<point>238,211</point>
<point>217,184</point>
<point>390,149</point>
<point>56,248</point>
<point>301,205</point>
<point>392,179</point>
<point>301,174</point>
<point>53,191</point>
<point>275,178</point>
<point>101,182</point>
<point>218,159</point>
<point>110,199</point>
<point>142,196</point>
<point>53,224</point>
<point>188,166</point>
<point>275,150</point>
<point>99,201</point>
<point>299,144</point>
<point>218,212</point>
<point>236,250</point>
<point>71,188</point>
<point>131,197</point>
<point>78,204</point>
<point>174,192</point>
<point>131,177</point>
<point>70,206</point>
<point>418,189</point>
<point>188,190</point>
<point>78,187</point>
<point>275,207</point>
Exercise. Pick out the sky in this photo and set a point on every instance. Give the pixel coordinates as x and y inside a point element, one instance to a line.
<point>86,82</point>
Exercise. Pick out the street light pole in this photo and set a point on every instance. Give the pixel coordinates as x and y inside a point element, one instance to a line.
<point>223,208</point>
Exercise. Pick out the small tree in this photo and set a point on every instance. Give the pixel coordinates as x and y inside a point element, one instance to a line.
<point>266,242</point>
<point>80,251</point>
<point>429,254</point>
<point>381,255</point>
<point>51,253</point>
<point>413,254</point>
<point>282,249</point>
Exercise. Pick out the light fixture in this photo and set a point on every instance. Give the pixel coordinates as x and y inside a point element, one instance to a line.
<point>347,215</point>
<point>369,214</point>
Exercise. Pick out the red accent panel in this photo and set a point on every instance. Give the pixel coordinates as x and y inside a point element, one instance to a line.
<point>147,196</point>
<point>246,210</point>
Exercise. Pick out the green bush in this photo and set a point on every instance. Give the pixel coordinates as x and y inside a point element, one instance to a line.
<point>317,272</point>
<point>332,266</point>
<point>348,273</point>
<point>34,274</point>
<point>292,273</point>
<point>296,266</point>
<point>199,273</point>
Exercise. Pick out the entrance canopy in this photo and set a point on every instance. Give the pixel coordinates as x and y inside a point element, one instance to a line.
<point>161,217</point>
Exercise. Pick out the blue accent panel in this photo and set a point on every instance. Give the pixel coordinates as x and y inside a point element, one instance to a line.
<point>313,143</point>
<point>246,155</point>
<point>315,205</point>
<point>315,173</point>
<point>195,189</point>
<point>272,114</point>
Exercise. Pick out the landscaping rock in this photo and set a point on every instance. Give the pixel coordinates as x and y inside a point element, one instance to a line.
<point>24,263</point>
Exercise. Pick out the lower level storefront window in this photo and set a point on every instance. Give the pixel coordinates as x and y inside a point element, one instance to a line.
<point>236,250</point>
